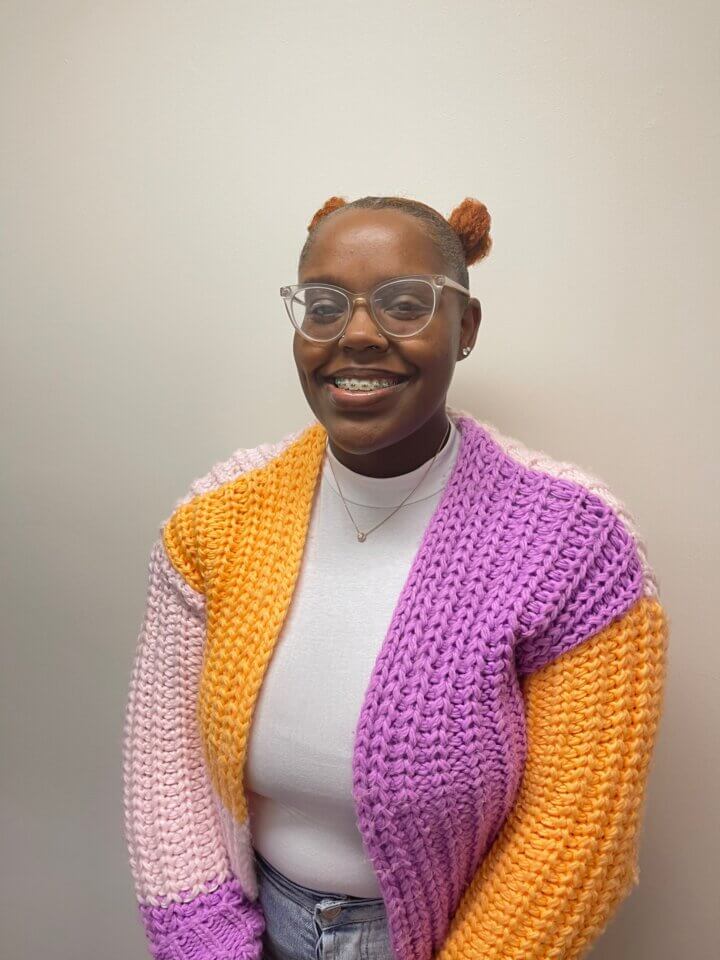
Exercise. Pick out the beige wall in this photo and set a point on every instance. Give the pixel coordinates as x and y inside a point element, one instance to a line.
<point>158,164</point>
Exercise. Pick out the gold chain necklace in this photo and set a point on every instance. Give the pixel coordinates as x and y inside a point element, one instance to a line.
<point>363,534</point>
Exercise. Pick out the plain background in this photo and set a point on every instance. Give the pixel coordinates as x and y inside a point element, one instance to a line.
<point>159,163</point>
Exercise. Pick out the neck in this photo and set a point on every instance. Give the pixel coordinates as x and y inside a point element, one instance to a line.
<point>401,457</point>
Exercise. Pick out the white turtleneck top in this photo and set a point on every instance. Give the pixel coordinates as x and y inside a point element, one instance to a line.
<point>298,773</point>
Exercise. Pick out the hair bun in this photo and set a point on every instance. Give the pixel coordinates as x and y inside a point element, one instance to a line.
<point>471,221</point>
<point>332,204</point>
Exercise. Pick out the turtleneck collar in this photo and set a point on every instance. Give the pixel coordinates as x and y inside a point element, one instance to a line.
<point>390,491</point>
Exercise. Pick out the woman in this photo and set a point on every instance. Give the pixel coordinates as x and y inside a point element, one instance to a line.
<point>399,679</point>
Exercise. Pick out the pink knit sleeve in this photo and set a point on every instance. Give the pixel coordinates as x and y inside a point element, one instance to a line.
<point>192,906</point>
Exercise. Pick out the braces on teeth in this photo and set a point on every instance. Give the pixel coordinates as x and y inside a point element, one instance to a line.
<point>347,384</point>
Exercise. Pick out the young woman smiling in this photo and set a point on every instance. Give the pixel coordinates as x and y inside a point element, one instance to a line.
<point>398,685</point>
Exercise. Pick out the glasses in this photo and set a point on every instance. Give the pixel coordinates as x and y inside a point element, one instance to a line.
<point>402,307</point>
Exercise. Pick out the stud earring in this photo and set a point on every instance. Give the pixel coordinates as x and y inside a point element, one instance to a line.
<point>465,351</point>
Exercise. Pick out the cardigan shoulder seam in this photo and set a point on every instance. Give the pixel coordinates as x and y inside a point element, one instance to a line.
<point>596,488</point>
<point>193,599</point>
<point>243,460</point>
<point>181,532</point>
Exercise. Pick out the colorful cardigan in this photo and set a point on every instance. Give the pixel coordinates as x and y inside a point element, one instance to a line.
<point>505,738</point>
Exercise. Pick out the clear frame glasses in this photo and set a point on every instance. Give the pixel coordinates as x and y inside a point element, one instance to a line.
<point>401,307</point>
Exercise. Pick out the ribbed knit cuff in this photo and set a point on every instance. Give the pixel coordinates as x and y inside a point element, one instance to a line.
<point>222,925</point>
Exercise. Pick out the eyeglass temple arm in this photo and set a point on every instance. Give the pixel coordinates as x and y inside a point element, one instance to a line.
<point>456,286</point>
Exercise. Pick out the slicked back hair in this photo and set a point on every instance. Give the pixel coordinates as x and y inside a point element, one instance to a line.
<point>461,240</point>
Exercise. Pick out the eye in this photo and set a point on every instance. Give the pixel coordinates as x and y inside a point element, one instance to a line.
<point>324,310</point>
<point>404,307</point>
<point>405,300</point>
<point>318,305</point>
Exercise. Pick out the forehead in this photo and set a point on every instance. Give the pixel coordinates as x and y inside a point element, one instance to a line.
<point>357,248</point>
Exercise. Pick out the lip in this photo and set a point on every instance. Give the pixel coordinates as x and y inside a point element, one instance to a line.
<point>364,373</point>
<point>346,400</point>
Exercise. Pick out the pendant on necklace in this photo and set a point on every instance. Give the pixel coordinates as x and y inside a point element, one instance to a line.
<point>361,536</point>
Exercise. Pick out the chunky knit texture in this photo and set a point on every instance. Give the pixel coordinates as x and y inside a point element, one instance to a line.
<point>504,743</point>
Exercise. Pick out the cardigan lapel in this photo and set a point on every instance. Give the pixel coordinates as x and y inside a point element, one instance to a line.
<point>256,527</point>
<point>432,780</point>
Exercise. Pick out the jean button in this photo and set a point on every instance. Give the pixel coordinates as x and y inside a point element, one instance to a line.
<point>329,913</point>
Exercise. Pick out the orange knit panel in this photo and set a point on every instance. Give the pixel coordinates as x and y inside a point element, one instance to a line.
<point>181,546</point>
<point>568,853</point>
<point>253,537</point>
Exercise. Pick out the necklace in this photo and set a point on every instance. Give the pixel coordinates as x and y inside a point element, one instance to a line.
<point>363,534</point>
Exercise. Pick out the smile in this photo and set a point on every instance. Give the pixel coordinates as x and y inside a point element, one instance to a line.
<point>355,392</point>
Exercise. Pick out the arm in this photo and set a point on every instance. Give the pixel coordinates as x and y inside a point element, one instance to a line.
<point>191,905</point>
<point>568,853</point>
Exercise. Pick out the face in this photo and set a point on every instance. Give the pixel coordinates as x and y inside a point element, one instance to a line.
<point>358,249</point>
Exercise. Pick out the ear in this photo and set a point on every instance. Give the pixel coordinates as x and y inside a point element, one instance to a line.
<point>469,325</point>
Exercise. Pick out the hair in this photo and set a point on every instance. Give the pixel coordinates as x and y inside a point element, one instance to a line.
<point>462,239</point>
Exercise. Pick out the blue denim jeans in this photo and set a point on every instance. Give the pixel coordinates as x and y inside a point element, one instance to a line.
<point>305,924</point>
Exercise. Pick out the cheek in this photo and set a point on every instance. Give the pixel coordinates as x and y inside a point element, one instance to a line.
<point>298,351</point>
<point>308,357</point>
<point>436,361</point>
<point>301,353</point>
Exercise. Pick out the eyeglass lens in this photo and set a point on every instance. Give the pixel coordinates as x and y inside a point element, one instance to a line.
<point>401,307</point>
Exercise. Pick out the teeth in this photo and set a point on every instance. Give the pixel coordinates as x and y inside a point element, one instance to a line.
<point>353,384</point>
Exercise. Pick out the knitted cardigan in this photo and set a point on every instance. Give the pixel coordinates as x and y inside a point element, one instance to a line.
<point>504,743</point>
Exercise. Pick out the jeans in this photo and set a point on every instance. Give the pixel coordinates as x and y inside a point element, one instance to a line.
<point>305,924</point>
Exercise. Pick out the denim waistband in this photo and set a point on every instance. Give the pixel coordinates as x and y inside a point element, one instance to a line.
<point>351,908</point>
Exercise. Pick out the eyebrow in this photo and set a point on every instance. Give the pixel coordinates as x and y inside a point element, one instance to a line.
<point>338,283</point>
<point>326,279</point>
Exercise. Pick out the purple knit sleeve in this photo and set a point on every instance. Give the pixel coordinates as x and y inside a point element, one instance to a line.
<point>594,575</point>
<point>221,925</point>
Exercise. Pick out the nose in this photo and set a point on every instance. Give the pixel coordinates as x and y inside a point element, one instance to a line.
<point>361,329</point>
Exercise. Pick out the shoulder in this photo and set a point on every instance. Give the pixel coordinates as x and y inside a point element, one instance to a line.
<point>207,495</point>
<point>242,461</point>
<point>591,508</point>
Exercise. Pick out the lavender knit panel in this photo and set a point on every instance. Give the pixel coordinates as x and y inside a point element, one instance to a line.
<point>594,574</point>
<point>222,925</point>
<point>515,567</point>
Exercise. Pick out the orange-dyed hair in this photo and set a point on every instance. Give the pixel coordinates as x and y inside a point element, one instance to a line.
<point>463,238</point>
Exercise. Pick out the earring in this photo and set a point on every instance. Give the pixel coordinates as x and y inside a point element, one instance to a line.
<point>465,351</point>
